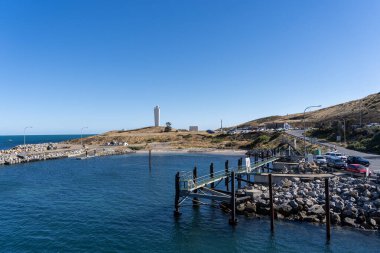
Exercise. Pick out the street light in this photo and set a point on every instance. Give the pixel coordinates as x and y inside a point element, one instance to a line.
<point>304,127</point>
<point>81,134</point>
<point>24,133</point>
<point>344,129</point>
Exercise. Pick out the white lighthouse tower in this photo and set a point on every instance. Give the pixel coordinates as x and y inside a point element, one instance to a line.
<point>157,116</point>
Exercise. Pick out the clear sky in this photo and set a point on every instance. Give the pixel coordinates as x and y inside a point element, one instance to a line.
<point>106,64</point>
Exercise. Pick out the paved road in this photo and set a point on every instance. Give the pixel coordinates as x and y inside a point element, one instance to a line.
<point>373,159</point>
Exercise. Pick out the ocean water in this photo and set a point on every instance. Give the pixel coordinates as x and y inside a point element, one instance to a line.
<point>10,141</point>
<point>115,204</point>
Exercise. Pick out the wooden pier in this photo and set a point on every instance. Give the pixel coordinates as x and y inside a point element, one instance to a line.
<point>188,185</point>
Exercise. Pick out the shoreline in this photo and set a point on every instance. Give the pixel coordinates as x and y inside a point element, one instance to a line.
<point>49,151</point>
<point>194,151</point>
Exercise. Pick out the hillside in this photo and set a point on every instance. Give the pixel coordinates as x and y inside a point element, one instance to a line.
<point>156,138</point>
<point>368,107</point>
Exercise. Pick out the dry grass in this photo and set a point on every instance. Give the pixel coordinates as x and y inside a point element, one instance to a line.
<point>369,106</point>
<point>156,138</point>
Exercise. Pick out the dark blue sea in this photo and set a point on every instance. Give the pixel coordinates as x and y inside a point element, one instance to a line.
<point>115,204</point>
<point>10,141</point>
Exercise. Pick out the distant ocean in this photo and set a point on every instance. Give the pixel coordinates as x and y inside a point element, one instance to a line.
<point>10,141</point>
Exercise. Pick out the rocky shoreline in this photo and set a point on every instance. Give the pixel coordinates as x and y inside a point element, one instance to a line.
<point>50,151</point>
<point>354,202</point>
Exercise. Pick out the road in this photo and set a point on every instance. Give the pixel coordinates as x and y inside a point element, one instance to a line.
<point>373,159</point>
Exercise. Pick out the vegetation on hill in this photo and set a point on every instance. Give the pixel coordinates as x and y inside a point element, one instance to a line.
<point>329,122</point>
<point>365,139</point>
<point>366,110</point>
<point>160,138</point>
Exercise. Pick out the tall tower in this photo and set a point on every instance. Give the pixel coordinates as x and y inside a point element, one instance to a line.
<point>157,116</point>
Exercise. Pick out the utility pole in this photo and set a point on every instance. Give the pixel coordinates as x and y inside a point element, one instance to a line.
<point>304,127</point>
<point>344,131</point>
<point>361,114</point>
<point>221,126</point>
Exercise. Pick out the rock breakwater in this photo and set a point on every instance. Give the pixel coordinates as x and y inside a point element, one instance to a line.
<point>354,202</point>
<point>48,151</point>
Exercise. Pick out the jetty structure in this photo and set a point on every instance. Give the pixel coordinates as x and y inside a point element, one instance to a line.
<point>188,185</point>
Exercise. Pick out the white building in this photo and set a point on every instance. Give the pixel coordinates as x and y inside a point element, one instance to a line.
<point>193,128</point>
<point>157,116</point>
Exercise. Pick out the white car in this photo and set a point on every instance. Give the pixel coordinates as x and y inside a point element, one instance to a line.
<point>320,160</point>
<point>336,155</point>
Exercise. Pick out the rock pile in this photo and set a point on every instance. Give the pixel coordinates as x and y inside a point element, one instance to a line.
<point>353,202</point>
<point>48,151</point>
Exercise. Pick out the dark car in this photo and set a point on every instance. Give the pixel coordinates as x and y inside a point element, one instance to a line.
<point>210,131</point>
<point>336,163</point>
<point>357,160</point>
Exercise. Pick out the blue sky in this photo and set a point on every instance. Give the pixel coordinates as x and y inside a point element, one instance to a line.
<point>106,64</point>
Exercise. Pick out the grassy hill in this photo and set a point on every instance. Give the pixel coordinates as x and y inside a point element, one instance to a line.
<point>329,123</point>
<point>367,108</point>
<point>157,138</point>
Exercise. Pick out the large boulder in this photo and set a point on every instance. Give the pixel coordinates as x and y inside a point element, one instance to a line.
<point>349,222</point>
<point>253,192</point>
<point>335,218</point>
<point>377,203</point>
<point>285,209</point>
<point>316,210</point>
<point>286,183</point>
<point>250,208</point>
<point>294,204</point>
<point>350,212</point>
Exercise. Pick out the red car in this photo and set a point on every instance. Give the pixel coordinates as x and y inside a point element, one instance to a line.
<point>358,168</point>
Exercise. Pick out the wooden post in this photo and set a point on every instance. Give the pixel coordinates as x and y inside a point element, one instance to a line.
<point>150,159</point>
<point>212,174</point>
<point>240,162</point>
<point>328,224</point>
<point>195,200</point>
<point>176,200</point>
<point>271,203</point>
<point>226,171</point>
<point>233,220</point>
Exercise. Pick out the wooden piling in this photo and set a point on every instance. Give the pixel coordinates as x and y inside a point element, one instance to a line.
<point>150,159</point>
<point>327,198</point>
<point>226,182</point>
<point>176,200</point>
<point>233,220</point>
<point>240,163</point>
<point>195,175</point>
<point>212,175</point>
<point>271,202</point>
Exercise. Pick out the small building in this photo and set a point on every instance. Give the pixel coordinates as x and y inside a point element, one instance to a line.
<point>278,125</point>
<point>193,128</point>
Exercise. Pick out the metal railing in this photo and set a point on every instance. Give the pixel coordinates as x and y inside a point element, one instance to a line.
<point>188,183</point>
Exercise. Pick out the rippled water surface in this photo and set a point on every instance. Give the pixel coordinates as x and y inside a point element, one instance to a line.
<point>115,204</point>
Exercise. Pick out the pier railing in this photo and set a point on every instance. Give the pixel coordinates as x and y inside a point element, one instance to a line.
<point>189,183</point>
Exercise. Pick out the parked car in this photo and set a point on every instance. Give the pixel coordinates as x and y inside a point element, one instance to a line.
<point>358,168</point>
<point>320,160</point>
<point>210,131</point>
<point>357,160</point>
<point>336,162</point>
<point>336,155</point>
